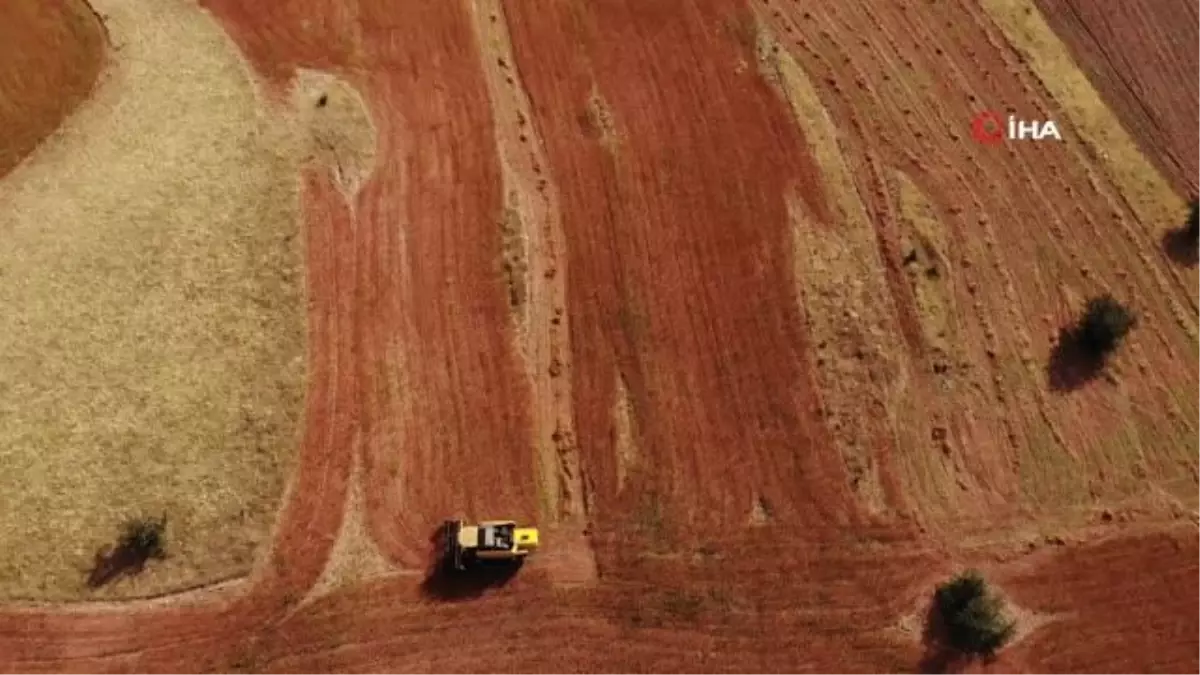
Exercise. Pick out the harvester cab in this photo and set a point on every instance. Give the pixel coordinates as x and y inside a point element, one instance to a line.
<point>488,541</point>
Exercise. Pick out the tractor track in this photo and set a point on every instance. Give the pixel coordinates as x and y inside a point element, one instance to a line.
<point>658,187</point>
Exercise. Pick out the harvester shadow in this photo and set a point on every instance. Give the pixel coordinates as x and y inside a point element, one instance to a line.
<point>444,583</point>
<point>448,585</point>
<point>1071,364</point>
<point>1181,246</point>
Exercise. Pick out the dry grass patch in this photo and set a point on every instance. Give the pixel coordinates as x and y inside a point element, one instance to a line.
<point>152,348</point>
<point>842,288</point>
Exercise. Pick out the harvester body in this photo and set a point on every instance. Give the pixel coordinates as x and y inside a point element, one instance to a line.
<point>488,541</point>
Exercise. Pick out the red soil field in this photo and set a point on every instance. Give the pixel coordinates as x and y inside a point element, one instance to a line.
<point>735,540</point>
<point>1142,56</point>
<point>1141,591</point>
<point>681,280</point>
<point>52,53</point>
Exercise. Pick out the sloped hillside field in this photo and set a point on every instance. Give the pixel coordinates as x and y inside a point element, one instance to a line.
<point>727,298</point>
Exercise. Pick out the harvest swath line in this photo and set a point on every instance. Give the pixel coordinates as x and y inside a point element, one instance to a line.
<point>676,229</point>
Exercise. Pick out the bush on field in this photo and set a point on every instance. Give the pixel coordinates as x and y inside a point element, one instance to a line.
<point>141,540</point>
<point>1191,229</point>
<point>144,538</point>
<point>972,616</point>
<point>1103,325</point>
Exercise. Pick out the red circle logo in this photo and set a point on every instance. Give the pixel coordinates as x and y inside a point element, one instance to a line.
<point>987,127</point>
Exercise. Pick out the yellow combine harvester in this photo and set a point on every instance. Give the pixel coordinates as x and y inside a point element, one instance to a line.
<point>489,541</point>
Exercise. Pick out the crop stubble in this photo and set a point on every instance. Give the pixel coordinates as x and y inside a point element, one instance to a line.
<point>673,182</point>
<point>153,335</point>
<point>1020,260</point>
<point>1139,56</point>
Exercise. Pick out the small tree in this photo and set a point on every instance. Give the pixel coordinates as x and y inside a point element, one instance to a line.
<point>1103,325</point>
<point>144,538</point>
<point>1182,244</point>
<point>141,539</point>
<point>973,619</point>
<point>1192,230</point>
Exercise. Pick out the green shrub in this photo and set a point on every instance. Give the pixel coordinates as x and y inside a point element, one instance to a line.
<point>972,617</point>
<point>1103,325</point>
<point>144,538</point>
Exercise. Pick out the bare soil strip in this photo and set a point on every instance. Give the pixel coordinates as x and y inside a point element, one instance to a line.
<point>51,54</point>
<point>537,277</point>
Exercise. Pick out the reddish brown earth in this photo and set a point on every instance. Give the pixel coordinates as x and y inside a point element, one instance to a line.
<point>736,541</point>
<point>1141,55</point>
<point>52,53</point>
<point>683,282</point>
<point>1140,592</point>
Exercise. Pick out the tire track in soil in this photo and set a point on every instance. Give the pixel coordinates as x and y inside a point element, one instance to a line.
<point>679,283</point>
<point>536,263</point>
<point>1031,225</point>
<point>1140,55</point>
<point>447,407</point>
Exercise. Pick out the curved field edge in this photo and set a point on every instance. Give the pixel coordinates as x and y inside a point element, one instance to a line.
<point>152,356</point>
<point>206,629</point>
<point>51,54</point>
<point>386,624</point>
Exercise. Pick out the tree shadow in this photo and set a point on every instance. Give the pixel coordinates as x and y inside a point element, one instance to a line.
<point>1181,246</point>
<point>1072,363</point>
<point>444,583</point>
<point>114,562</point>
<point>130,554</point>
<point>939,656</point>
<point>121,560</point>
